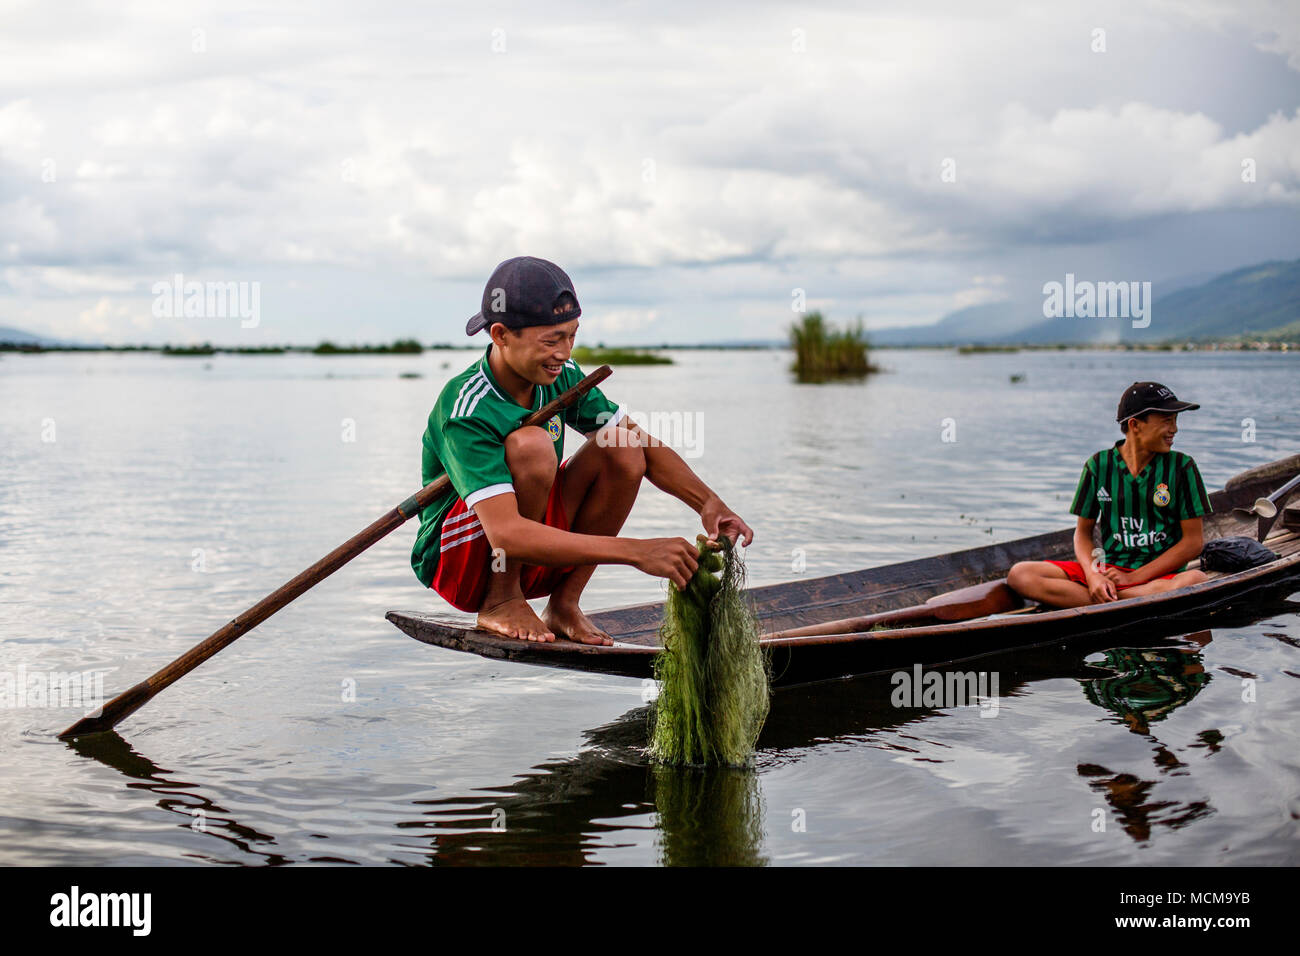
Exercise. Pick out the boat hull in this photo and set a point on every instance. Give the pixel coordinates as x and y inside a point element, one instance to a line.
<point>794,604</point>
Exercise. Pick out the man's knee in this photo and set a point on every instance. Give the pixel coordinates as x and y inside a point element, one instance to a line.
<point>1021,574</point>
<point>530,456</point>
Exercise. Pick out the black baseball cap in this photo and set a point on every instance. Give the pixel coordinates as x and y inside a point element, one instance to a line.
<point>525,291</point>
<point>1141,397</point>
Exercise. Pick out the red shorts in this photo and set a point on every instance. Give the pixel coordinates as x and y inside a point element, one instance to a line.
<point>1074,571</point>
<point>466,556</point>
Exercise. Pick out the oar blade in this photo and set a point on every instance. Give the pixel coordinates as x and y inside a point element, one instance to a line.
<point>107,717</point>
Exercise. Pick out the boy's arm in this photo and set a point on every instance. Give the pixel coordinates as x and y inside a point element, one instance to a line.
<point>535,543</point>
<point>1101,587</point>
<point>666,470</point>
<point>1187,549</point>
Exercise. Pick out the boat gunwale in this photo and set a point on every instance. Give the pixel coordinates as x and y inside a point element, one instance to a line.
<point>1013,621</point>
<point>457,636</point>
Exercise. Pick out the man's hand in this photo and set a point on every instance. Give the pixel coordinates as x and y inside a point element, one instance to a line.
<point>1100,586</point>
<point>673,558</point>
<point>718,519</point>
<point>1122,578</point>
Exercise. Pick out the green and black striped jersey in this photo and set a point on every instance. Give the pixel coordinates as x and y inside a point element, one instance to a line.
<point>466,440</point>
<point>1139,518</point>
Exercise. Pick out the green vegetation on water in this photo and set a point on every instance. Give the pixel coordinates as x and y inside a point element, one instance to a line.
<point>979,349</point>
<point>823,353</point>
<point>603,356</point>
<point>714,677</point>
<point>400,347</point>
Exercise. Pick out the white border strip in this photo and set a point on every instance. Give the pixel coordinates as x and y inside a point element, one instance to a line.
<point>491,491</point>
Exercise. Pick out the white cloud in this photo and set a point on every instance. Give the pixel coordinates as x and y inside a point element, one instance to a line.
<point>379,143</point>
<point>1273,25</point>
<point>616,320</point>
<point>52,281</point>
<point>106,318</point>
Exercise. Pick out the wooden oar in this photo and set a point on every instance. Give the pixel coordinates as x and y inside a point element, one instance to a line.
<point>132,700</point>
<point>992,597</point>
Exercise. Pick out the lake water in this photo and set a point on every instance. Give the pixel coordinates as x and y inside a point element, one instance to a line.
<point>146,500</point>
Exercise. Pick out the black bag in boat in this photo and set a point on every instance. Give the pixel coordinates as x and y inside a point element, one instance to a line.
<point>1236,553</point>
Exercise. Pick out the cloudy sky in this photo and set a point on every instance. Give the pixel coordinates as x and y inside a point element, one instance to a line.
<point>690,165</point>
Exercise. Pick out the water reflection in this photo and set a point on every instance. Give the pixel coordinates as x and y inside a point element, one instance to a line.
<point>572,811</point>
<point>1130,797</point>
<point>709,816</point>
<point>608,803</point>
<point>198,812</point>
<point>1148,684</point>
<point>702,816</point>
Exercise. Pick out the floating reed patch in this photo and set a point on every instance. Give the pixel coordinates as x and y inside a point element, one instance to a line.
<point>714,677</point>
<point>823,353</point>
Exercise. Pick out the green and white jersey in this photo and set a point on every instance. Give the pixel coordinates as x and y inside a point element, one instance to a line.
<point>1139,518</point>
<point>465,439</point>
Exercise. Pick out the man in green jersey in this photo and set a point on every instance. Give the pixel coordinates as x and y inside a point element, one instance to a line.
<point>518,522</point>
<point>1146,499</point>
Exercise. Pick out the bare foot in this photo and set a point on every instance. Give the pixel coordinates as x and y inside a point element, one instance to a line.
<point>573,624</point>
<point>514,618</point>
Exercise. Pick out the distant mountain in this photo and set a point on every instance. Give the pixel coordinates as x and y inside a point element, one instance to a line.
<point>975,323</point>
<point>1186,282</point>
<point>11,336</point>
<point>1259,301</point>
<point>1248,302</point>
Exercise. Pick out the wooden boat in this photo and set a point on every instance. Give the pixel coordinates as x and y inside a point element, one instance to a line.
<point>896,586</point>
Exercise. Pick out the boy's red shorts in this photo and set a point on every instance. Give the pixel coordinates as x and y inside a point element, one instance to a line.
<point>1074,571</point>
<point>466,558</point>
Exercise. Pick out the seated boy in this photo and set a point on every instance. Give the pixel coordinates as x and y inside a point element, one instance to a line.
<point>1148,500</point>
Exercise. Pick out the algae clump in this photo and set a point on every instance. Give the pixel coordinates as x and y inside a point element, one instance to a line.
<point>714,677</point>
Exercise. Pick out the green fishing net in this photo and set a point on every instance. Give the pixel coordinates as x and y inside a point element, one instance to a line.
<point>714,677</point>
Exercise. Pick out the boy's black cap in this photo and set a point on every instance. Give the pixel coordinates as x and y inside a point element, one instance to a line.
<point>1149,397</point>
<point>525,291</point>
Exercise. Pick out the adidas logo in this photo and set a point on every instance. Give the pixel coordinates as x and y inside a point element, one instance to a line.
<point>1103,494</point>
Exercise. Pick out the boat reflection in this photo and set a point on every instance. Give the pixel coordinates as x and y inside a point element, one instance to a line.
<point>572,811</point>
<point>554,814</point>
